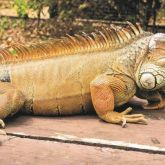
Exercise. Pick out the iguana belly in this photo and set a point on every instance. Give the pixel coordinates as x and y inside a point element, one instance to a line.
<point>63,106</point>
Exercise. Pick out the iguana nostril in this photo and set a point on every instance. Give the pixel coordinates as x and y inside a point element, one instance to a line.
<point>147,81</point>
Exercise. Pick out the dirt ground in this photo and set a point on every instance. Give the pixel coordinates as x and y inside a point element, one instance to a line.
<point>14,30</point>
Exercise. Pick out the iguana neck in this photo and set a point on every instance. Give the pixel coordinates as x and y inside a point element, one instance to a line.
<point>141,58</point>
<point>130,58</point>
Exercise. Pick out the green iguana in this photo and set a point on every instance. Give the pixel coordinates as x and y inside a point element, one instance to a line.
<point>104,70</point>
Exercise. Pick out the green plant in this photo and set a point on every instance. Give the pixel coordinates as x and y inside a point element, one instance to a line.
<point>21,7</point>
<point>4,24</point>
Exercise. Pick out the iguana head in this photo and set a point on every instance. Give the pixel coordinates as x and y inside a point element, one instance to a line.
<point>152,72</point>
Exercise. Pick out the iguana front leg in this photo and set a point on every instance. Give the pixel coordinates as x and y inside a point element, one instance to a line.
<point>11,100</point>
<point>108,91</point>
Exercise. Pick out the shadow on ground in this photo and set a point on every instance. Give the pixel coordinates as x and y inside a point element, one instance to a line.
<point>149,114</point>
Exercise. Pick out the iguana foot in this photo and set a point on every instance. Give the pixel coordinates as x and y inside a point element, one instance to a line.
<point>123,117</point>
<point>2,124</point>
<point>138,101</point>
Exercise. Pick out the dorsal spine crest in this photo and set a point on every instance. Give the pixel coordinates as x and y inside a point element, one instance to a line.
<point>105,39</point>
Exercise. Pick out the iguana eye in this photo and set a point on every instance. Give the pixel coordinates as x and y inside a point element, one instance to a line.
<point>147,81</point>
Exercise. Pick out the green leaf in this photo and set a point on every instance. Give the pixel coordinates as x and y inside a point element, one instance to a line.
<point>13,51</point>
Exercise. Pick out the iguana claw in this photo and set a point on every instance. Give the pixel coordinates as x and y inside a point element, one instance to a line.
<point>2,124</point>
<point>124,123</point>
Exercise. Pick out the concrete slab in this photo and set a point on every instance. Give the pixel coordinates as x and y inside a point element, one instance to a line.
<point>21,151</point>
<point>91,127</point>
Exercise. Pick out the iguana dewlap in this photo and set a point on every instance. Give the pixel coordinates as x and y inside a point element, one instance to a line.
<point>76,73</point>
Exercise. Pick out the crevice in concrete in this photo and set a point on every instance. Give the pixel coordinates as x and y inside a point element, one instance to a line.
<point>93,142</point>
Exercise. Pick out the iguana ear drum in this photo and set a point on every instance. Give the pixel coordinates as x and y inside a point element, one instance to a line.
<point>148,81</point>
<point>156,40</point>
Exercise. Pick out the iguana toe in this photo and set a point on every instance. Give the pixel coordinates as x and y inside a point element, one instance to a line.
<point>136,118</point>
<point>127,111</point>
<point>133,118</point>
<point>123,118</point>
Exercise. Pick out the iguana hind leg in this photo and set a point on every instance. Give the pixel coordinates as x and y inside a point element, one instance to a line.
<point>11,100</point>
<point>105,92</point>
